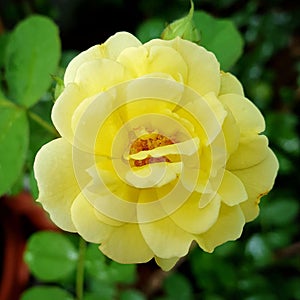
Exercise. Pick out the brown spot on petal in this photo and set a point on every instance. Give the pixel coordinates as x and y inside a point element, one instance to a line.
<point>260,196</point>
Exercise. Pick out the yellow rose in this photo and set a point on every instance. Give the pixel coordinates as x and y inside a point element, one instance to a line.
<point>158,149</point>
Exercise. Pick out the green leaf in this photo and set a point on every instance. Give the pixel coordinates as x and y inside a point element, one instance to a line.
<point>259,250</point>
<point>132,295</point>
<point>95,263</point>
<point>279,213</point>
<point>46,293</point>
<point>221,37</point>
<point>14,137</point>
<point>178,287</point>
<point>285,135</point>
<point>50,256</point>
<point>4,39</point>
<point>99,268</point>
<point>122,273</point>
<point>150,29</point>
<point>99,290</point>
<point>32,56</point>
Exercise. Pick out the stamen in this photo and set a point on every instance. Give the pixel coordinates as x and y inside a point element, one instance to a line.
<point>149,142</point>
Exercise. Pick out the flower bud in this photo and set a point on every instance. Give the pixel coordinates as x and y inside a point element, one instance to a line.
<point>183,27</point>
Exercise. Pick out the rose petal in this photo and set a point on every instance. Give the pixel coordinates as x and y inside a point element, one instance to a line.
<point>115,44</point>
<point>231,133</point>
<point>166,264</point>
<point>110,49</point>
<point>58,188</point>
<point>228,227</point>
<point>230,85</point>
<point>165,238</point>
<point>88,55</point>
<point>100,74</point>
<point>246,114</point>
<point>86,222</point>
<point>216,106</point>
<point>258,181</point>
<point>64,108</point>
<point>88,119</point>
<point>203,67</point>
<point>251,150</point>
<point>196,220</point>
<point>153,175</point>
<point>126,245</point>
<point>206,114</point>
<point>157,59</point>
<point>232,190</point>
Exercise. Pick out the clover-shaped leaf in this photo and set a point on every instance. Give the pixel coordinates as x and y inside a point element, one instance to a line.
<point>32,56</point>
<point>50,256</point>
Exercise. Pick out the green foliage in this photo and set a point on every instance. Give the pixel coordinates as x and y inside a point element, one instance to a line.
<point>28,56</point>
<point>150,29</point>
<point>132,295</point>
<point>46,293</point>
<point>14,138</point>
<point>4,39</point>
<point>177,287</point>
<point>50,256</point>
<point>32,55</point>
<point>98,268</point>
<point>221,37</point>
<point>54,257</point>
<point>217,35</point>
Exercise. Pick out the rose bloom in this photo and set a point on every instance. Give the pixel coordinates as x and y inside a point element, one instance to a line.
<point>158,148</point>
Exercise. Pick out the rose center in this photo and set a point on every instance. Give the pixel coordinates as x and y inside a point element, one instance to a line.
<point>148,142</point>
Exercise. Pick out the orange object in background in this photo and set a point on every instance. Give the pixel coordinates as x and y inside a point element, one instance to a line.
<point>20,216</point>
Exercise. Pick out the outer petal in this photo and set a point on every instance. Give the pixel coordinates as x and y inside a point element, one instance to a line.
<point>247,115</point>
<point>88,55</point>
<point>230,85</point>
<point>196,220</point>
<point>110,49</point>
<point>53,169</point>
<point>115,44</point>
<point>99,74</point>
<point>86,223</point>
<point>126,245</point>
<point>228,227</point>
<point>157,59</point>
<point>166,239</point>
<point>64,108</point>
<point>232,190</point>
<point>252,150</point>
<point>204,69</point>
<point>231,133</point>
<point>258,181</point>
<point>166,264</point>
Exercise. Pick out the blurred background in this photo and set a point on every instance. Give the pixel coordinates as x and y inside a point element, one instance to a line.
<point>264,264</point>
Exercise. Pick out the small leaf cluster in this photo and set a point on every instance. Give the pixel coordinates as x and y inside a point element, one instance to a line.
<point>61,263</point>
<point>29,55</point>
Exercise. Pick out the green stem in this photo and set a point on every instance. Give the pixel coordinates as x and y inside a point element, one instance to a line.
<point>43,123</point>
<point>80,269</point>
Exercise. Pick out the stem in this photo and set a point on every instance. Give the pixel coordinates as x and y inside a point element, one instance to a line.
<point>80,269</point>
<point>43,123</point>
